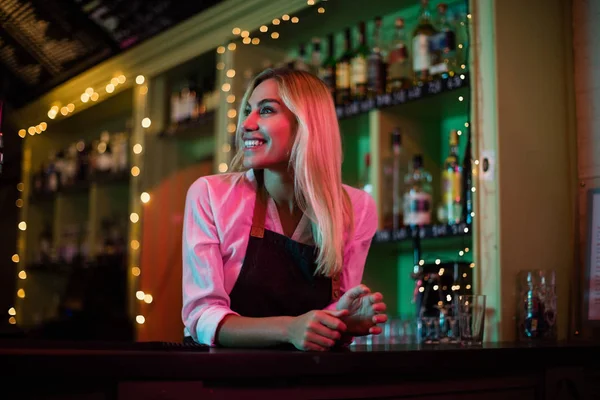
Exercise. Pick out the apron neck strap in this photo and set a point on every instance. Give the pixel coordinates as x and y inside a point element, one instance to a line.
<point>260,207</point>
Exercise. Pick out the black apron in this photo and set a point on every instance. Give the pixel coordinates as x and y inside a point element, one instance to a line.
<point>277,277</point>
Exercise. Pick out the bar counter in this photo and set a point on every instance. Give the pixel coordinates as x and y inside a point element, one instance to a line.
<point>149,371</point>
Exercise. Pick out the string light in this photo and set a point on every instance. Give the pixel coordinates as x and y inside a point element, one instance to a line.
<point>321,10</point>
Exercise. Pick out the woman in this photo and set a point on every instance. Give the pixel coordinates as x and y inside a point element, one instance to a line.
<point>268,252</point>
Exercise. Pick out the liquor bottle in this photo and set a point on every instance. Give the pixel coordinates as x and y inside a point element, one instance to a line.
<point>417,194</point>
<point>299,62</point>
<point>365,180</point>
<point>452,182</point>
<point>443,45</point>
<point>398,72</point>
<point>316,56</point>
<point>467,180</point>
<point>358,65</point>
<point>342,72</point>
<point>394,171</point>
<point>376,63</point>
<point>45,244</point>
<point>420,48</point>
<point>328,72</point>
<point>104,160</point>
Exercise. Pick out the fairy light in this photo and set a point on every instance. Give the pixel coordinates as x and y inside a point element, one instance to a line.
<point>135,271</point>
<point>146,122</point>
<point>230,98</point>
<point>22,275</point>
<point>310,2</point>
<point>321,10</point>
<point>223,167</point>
<point>137,148</point>
<point>226,87</point>
<point>230,73</point>
<point>231,46</point>
<point>140,295</point>
<point>231,113</point>
<point>140,319</point>
<point>264,28</point>
<point>220,49</point>
<point>295,20</point>
<point>22,133</point>
<point>148,298</point>
<point>274,35</point>
<point>236,31</point>
<point>247,40</point>
<point>15,258</point>
<point>244,34</point>
<point>135,170</point>
<point>276,21</point>
<point>255,41</point>
<point>145,197</point>
<point>23,225</point>
<point>285,17</point>
<point>134,217</point>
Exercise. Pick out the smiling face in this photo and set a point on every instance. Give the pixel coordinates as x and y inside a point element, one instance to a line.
<point>268,129</point>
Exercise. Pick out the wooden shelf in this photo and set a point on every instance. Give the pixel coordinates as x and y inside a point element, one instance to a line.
<point>191,129</point>
<point>432,231</point>
<point>403,96</point>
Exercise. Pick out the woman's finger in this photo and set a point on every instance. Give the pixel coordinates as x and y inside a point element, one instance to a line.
<point>379,307</point>
<point>376,298</point>
<point>379,318</point>
<point>375,330</point>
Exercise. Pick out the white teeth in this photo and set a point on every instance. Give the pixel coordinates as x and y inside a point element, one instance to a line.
<point>253,143</point>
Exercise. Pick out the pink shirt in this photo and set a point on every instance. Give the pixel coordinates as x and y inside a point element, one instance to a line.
<point>216,229</point>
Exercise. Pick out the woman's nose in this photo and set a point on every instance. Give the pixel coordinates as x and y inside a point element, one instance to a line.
<point>250,123</point>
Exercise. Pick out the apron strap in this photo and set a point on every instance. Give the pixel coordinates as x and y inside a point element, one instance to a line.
<point>260,209</point>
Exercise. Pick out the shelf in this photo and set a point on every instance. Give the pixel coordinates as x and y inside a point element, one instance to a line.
<point>191,129</point>
<point>403,96</point>
<point>102,179</point>
<point>425,232</point>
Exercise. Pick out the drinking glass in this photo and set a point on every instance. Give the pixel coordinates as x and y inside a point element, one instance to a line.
<point>471,316</point>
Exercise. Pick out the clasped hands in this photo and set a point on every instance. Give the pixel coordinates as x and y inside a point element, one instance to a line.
<point>358,313</point>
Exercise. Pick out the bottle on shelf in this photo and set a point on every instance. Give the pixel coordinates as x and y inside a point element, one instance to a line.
<point>316,58</point>
<point>52,174</point>
<point>467,182</point>
<point>399,68</point>
<point>358,66</point>
<point>376,63</point>
<point>452,183</point>
<point>327,71</point>
<point>417,194</point>
<point>394,171</point>
<point>342,72</point>
<point>299,62</point>
<point>442,45</point>
<point>365,179</point>
<point>104,160</point>
<point>45,250</point>
<point>420,48</point>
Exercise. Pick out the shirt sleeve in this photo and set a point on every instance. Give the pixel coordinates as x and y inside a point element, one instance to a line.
<point>205,301</point>
<point>355,254</point>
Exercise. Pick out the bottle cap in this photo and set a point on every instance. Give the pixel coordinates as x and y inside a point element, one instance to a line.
<point>397,137</point>
<point>417,161</point>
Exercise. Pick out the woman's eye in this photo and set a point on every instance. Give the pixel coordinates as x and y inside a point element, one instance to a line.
<point>247,112</point>
<point>266,110</point>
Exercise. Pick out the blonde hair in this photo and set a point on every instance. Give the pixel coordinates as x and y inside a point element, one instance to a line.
<point>316,161</point>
